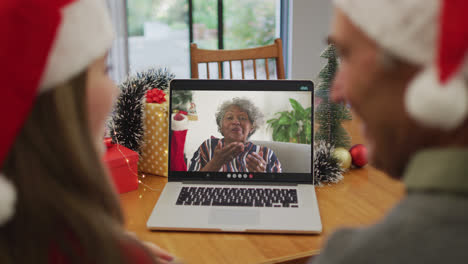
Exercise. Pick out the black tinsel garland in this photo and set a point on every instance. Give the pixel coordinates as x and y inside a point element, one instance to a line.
<point>156,78</point>
<point>126,124</point>
<point>326,167</point>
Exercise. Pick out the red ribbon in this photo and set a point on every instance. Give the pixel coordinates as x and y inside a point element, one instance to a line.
<point>155,96</point>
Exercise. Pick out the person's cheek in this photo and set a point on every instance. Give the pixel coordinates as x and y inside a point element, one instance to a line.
<point>111,92</point>
<point>94,108</point>
<point>101,101</point>
<point>115,90</point>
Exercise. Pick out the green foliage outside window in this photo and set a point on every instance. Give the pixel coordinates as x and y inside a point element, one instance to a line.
<point>139,12</point>
<point>248,23</point>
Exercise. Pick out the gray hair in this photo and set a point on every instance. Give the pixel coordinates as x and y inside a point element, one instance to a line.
<point>255,115</point>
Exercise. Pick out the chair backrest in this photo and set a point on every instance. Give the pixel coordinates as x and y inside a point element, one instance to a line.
<point>294,157</point>
<point>274,51</point>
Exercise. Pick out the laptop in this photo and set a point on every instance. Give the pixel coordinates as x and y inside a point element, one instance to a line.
<point>265,185</point>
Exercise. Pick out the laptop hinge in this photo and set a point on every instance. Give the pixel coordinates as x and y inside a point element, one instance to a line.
<point>240,183</point>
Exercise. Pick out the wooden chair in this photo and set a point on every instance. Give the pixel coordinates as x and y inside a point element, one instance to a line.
<point>274,51</point>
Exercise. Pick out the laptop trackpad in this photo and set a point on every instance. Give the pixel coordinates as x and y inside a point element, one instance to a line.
<point>234,217</point>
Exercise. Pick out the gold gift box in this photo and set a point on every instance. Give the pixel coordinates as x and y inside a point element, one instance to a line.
<point>154,151</point>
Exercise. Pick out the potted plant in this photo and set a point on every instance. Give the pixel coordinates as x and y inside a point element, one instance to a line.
<point>292,126</point>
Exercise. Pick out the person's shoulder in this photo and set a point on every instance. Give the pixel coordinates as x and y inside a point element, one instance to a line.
<point>359,245</point>
<point>336,249</point>
<point>416,224</point>
<point>372,244</point>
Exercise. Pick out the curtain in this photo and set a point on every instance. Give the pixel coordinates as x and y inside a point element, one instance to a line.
<point>118,55</point>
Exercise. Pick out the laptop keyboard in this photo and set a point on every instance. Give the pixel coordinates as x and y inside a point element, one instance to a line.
<point>247,197</point>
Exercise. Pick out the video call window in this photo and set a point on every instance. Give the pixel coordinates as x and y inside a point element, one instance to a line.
<point>235,131</point>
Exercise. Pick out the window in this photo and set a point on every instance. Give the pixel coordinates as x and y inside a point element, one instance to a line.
<point>158,35</point>
<point>160,31</point>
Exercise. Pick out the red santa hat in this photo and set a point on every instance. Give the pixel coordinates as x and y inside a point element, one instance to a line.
<point>47,43</point>
<point>430,33</point>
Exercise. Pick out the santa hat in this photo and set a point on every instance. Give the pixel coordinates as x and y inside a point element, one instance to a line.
<point>48,43</point>
<point>430,33</point>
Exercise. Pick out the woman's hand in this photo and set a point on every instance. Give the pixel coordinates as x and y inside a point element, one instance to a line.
<point>222,155</point>
<point>255,162</point>
<point>162,256</point>
<point>228,152</point>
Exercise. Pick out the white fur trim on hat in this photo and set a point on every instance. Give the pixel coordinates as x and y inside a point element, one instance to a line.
<point>405,28</point>
<point>7,199</point>
<point>84,35</point>
<point>179,125</point>
<point>409,30</point>
<point>436,105</point>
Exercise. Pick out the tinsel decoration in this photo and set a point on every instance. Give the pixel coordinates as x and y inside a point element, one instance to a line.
<point>156,78</point>
<point>126,125</point>
<point>326,167</point>
<point>329,115</point>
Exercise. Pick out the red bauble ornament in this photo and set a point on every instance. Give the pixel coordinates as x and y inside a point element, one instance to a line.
<point>358,155</point>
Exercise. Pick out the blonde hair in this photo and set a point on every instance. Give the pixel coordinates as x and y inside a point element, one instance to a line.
<point>65,197</point>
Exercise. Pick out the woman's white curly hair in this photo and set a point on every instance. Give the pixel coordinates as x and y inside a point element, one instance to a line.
<point>255,115</point>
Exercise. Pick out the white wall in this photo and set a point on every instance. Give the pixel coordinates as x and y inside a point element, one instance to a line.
<point>207,103</point>
<point>309,30</point>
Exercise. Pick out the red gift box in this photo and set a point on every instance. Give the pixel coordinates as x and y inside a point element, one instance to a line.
<point>124,174</point>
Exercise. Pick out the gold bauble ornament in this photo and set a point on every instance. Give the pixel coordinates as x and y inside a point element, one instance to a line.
<point>343,156</point>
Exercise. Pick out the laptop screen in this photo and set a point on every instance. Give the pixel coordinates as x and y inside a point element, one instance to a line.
<point>235,130</point>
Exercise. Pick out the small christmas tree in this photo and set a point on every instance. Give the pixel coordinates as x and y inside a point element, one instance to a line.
<point>329,115</point>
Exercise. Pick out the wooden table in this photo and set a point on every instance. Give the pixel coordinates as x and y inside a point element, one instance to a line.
<point>362,198</point>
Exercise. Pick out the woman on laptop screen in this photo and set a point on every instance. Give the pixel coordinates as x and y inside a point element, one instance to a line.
<point>237,121</point>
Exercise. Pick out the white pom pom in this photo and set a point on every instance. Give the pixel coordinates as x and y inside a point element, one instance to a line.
<point>436,105</point>
<point>179,125</point>
<point>7,199</point>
